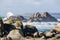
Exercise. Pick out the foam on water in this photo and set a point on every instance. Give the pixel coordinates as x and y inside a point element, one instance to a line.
<point>42,26</point>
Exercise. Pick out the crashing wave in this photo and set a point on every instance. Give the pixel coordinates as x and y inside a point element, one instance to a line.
<point>42,26</point>
<point>8,15</point>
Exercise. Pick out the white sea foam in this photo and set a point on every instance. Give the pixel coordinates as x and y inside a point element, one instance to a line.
<point>8,15</point>
<point>42,26</point>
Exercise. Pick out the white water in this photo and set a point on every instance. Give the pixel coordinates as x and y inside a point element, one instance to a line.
<point>42,26</point>
<point>8,15</point>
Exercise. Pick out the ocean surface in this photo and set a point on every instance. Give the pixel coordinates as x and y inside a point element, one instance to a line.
<point>42,26</point>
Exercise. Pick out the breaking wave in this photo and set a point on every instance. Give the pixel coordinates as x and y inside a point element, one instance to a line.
<point>42,26</point>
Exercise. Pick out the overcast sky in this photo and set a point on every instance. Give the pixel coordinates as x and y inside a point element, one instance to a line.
<point>23,7</point>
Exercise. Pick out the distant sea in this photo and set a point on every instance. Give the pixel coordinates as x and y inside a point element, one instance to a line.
<point>57,16</point>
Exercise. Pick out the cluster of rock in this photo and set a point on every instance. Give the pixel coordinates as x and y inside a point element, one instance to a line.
<point>43,17</point>
<point>13,29</point>
<point>29,31</point>
<point>36,17</point>
<point>17,18</point>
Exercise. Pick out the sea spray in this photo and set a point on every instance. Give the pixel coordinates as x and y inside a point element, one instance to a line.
<point>8,15</point>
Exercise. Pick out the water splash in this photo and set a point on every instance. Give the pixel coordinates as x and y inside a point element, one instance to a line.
<point>9,14</point>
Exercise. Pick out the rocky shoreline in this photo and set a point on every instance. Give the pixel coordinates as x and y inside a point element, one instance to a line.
<point>13,28</point>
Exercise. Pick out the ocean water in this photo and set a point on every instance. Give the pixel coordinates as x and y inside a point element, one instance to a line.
<point>56,16</point>
<point>42,26</point>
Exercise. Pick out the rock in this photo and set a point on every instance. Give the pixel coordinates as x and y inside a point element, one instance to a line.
<point>35,34</point>
<point>17,18</point>
<point>53,38</point>
<point>14,35</point>
<point>49,34</point>
<point>43,17</point>
<point>47,17</point>
<point>29,30</point>
<point>18,24</point>
<point>8,28</point>
<point>35,17</point>
<point>5,28</point>
<point>41,34</point>
<point>10,21</point>
<point>57,35</point>
<point>1,27</point>
<point>57,28</point>
<point>4,38</point>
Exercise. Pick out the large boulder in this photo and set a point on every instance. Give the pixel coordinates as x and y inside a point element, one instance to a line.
<point>57,28</point>
<point>50,34</point>
<point>43,17</point>
<point>8,28</point>
<point>29,30</point>
<point>14,35</point>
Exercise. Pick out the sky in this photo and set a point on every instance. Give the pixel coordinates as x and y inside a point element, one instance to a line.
<point>27,7</point>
